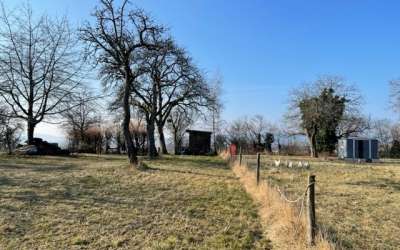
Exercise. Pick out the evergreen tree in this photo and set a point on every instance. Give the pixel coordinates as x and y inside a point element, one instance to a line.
<point>320,116</point>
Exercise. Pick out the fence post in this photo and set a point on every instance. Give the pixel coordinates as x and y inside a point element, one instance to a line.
<point>240,156</point>
<point>258,168</point>
<point>312,225</point>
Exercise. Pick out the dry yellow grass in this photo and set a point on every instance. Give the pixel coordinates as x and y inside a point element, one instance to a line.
<point>283,223</point>
<point>358,205</point>
<point>91,202</point>
<point>225,155</point>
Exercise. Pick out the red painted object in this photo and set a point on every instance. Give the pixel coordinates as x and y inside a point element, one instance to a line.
<point>233,149</point>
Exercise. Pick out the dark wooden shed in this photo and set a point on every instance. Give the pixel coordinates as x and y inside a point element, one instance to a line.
<point>199,142</point>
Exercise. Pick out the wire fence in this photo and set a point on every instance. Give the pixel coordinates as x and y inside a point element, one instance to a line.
<point>258,164</point>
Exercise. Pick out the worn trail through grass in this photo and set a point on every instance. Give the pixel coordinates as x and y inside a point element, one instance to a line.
<point>100,203</point>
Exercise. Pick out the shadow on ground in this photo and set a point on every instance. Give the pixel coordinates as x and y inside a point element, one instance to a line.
<point>378,183</point>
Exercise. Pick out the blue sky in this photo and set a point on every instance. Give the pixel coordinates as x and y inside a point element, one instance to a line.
<point>265,48</point>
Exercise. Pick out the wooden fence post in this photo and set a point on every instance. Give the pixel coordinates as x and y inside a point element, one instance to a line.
<point>312,225</point>
<point>240,156</point>
<point>258,168</point>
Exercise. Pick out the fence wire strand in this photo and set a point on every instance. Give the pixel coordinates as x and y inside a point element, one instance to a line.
<point>296,200</point>
<point>282,195</point>
<point>302,198</point>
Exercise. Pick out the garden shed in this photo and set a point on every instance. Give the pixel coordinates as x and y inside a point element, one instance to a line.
<point>357,148</point>
<point>199,142</point>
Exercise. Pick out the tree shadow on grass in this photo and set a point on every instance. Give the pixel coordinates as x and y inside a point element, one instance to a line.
<point>198,161</point>
<point>378,183</point>
<point>5,181</point>
<point>34,200</point>
<point>191,172</point>
<point>39,167</point>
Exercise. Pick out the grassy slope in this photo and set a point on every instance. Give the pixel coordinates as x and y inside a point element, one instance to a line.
<point>358,203</point>
<point>99,203</point>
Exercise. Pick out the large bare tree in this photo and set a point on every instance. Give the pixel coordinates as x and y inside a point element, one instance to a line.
<point>171,79</point>
<point>39,65</point>
<point>114,40</point>
<point>180,84</point>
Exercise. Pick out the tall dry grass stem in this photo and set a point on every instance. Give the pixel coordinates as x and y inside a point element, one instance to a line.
<point>284,223</point>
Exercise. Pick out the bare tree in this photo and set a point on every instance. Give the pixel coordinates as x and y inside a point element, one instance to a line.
<point>80,116</point>
<point>158,66</point>
<point>216,107</point>
<point>94,139</point>
<point>382,130</point>
<point>352,125</point>
<point>258,127</point>
<point>39,65</point>
<point>108,136</point>
<point>114,42</point>
<point>184,88</point>
<point>179,120</point>
<point>10,130</point>
<point>238,133</point>
<point>251,134</point>
<point>118,134</point>
<point>137,130</point>
<point>170,80</point>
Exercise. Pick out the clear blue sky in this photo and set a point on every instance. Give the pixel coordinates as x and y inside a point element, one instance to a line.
<point>265,48</point>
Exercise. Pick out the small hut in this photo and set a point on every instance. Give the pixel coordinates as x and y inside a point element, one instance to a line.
<point>356,148</point>
<point>199,142</point>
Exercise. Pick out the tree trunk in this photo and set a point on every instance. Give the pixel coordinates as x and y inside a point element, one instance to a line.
<point>107,147</point>
<point>30,131</point>
<point>213,130</point>
<point>118,138</point>
<point>9,138</point>
<point>81,141</point>
<point>163,145</point>
<point>137,143</point>
<point>312,137</point>
<point>151,120</point>
<point>177,146</point>
<point>151,142</point>
<point>131,149</point>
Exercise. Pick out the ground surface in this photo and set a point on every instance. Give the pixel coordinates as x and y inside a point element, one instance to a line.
<point>100,203</point>
<point>359,203</point>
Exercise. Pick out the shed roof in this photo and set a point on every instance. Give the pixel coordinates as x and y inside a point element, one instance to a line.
<point>358,138</point>
<point>198,131</point>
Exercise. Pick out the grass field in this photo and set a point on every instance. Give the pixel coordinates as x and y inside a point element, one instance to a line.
<point>99,203</point>
<point>357,203</point>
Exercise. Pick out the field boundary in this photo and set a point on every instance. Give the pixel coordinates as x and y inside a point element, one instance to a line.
<point>284,221</point>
